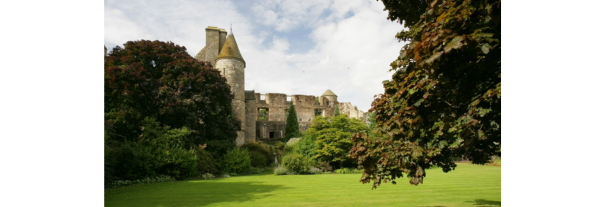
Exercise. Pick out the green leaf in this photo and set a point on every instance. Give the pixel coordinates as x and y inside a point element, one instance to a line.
<point>418,102</point>
<point>403,54</point>
<point>485,48</point>
<point>412,91</point>
<point>433,57</point>
<point>485,35</point>
<point>442,143</point>
<point>456,43</point>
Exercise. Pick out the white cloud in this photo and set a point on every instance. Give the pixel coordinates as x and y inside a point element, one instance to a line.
<point>351,58</point>
<point>119,29</point>
<point>182,22</point>
<point>286,15</point>
<point>354,42</point>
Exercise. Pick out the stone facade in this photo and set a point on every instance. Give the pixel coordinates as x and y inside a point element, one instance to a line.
<point>251,116</point>
<point>351,111</point>
<point>222,52</point>
<point>307,107</point>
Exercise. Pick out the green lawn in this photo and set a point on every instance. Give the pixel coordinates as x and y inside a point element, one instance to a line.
<point>468,185</point>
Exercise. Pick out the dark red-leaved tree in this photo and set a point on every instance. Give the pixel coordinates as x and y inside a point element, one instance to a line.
<point>443,102</point>
<point>161,80</point>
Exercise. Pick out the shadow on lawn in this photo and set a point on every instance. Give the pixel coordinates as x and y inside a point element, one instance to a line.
<point>194,193</point>
<point>483,202</point>
<point>218,192</point>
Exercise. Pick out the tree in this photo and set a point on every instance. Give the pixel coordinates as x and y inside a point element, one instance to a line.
<point>336,111</point>
<point>443,102</point>
<point>262,114</point>
<point>160,80</point>
<point>372,119</point>
<point>333,139</point>
<point>292,129</point>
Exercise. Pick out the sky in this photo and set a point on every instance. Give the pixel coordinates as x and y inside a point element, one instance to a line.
<point>290,46</point>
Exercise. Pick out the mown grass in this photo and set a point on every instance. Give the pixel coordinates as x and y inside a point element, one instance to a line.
<point>468,185</point>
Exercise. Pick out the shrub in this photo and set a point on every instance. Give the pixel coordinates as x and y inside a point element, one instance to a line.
<point>159,151</point>
<point>207,176</point>
<point>218,148</point>
<point>306,146</point>
<point>236,161</point>
<point>348,171</point>
<point>261,154</point>
<point>495,161</point>
<point>255,170</point>
<point>257,159</point>
<point>325,166</point>
<point>120,159</point>
<point>205,162</point>
<point>280,170</point>
<point>297,163</point>
<point>156,179</point>
<point>165,153</point>
<point>314,170</point>
<point>289,149</point>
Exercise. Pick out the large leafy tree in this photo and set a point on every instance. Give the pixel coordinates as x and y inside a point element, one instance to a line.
<point>160,80</point>
<point>443,102</point>
<point>333,137</point>
<point>292,129</point>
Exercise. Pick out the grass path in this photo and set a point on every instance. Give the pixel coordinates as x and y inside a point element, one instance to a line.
<point>468,185</point>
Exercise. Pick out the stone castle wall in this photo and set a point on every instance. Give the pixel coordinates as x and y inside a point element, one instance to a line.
<point>277,105</point>
<point>305,107</point>
<point>250,116</point>
<point>351,111</point>
<point>246,104</point>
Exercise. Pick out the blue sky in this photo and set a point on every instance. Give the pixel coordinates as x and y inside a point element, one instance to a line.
<point>290,46</point>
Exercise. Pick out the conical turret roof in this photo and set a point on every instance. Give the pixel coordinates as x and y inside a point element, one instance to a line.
<point>230,49</point>
<point>328,93</point>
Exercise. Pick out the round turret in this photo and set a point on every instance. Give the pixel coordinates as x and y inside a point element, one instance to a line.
<point>231,64</point>
<point>332,98</point>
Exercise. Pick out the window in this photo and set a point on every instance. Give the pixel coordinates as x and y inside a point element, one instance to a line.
<point>318,112</point>
<point>263,114</point>
<point>271,135</point>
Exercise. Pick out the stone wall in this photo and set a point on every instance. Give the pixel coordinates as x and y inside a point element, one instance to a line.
<point>250,117</point>
<point>305,107</point>
<point>277,104</point>
<point>305,110</point>
<point>270,130</point>
<point>351,111</point>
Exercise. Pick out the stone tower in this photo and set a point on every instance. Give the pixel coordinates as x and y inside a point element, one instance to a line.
<point>215,39</point>
<point>223,53</point>
<point>231,64</point>
<point>332,98</point>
